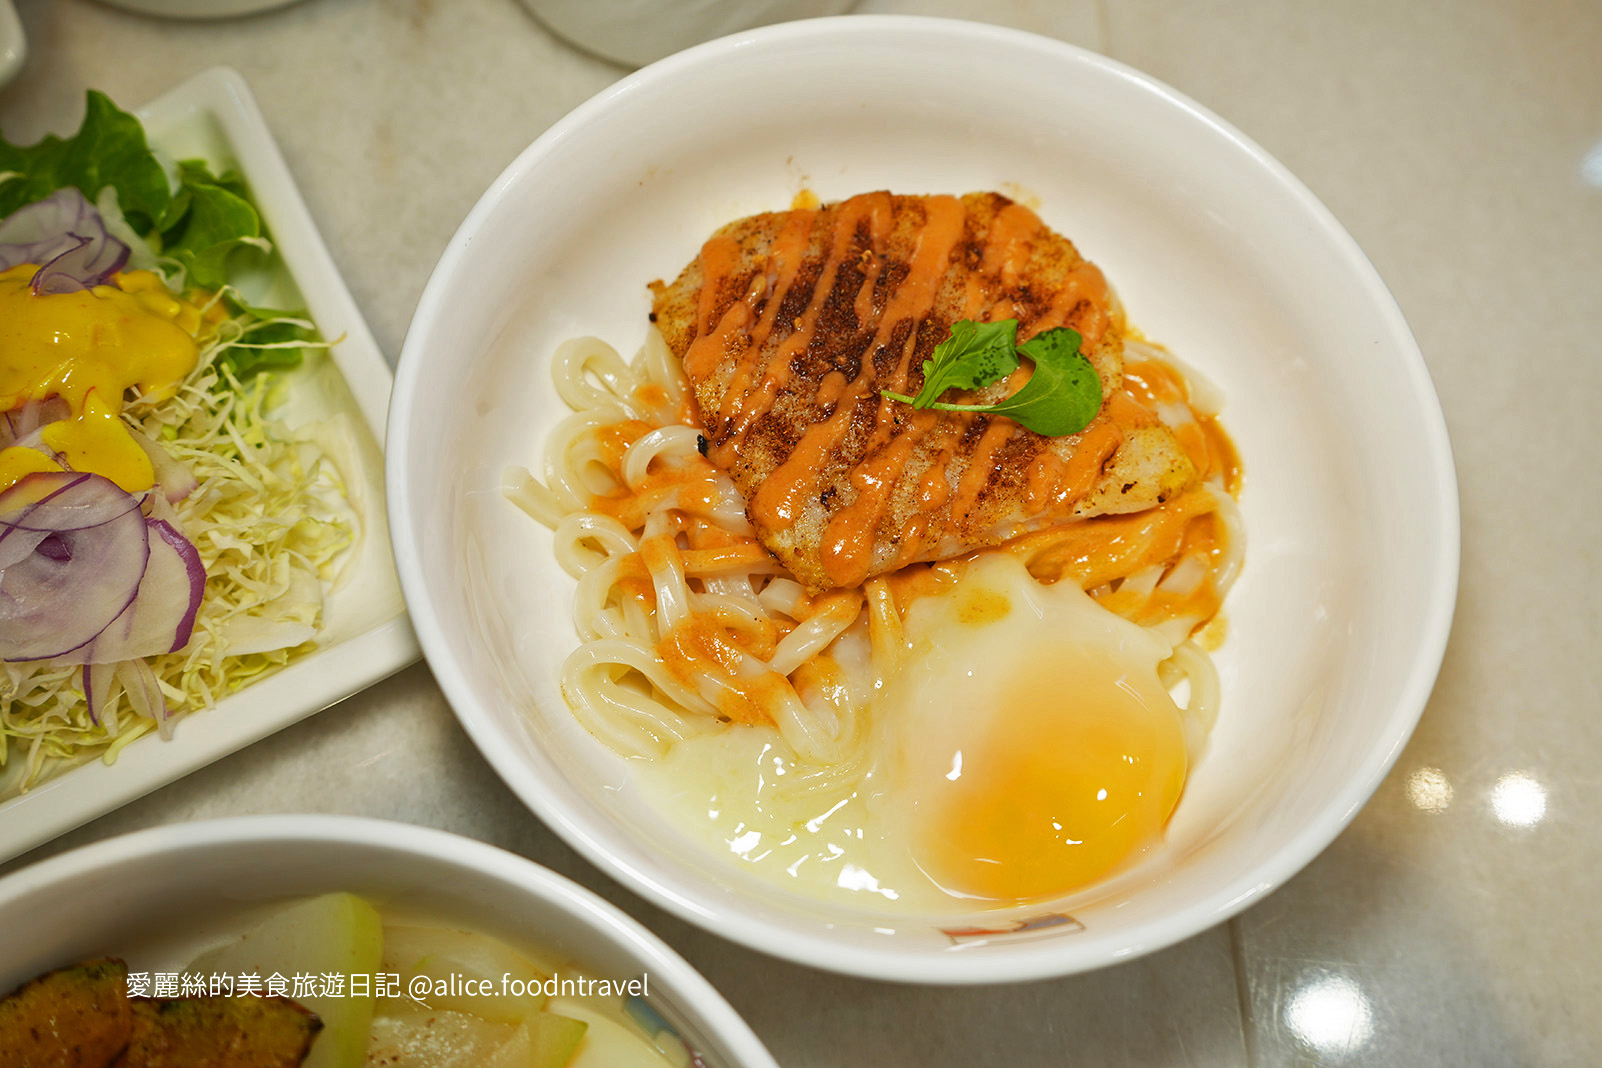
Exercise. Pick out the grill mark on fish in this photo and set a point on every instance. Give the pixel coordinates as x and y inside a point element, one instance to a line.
<point>789,324</point>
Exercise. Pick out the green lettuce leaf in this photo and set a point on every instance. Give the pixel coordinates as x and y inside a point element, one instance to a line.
<point>200,224</point>
<point>213,218</point>
<point>108,149</point>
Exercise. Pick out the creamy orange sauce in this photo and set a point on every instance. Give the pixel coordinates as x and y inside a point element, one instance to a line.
<point>848,539</point>
<point>1151,384</point>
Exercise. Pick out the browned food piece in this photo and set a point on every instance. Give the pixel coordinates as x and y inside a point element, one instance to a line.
<point>77,1017</point>
<point>790,323</point>
<point>82,1017</point>
<point>220,1032</point>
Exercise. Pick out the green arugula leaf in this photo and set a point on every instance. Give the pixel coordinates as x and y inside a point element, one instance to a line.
<point>1060,398</point>
<point>1064,393</point>
<point>108,149</point>
<point>212,218</point>
<point>975,355</point>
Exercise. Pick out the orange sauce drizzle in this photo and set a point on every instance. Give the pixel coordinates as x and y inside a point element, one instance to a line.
<point>849,538</point>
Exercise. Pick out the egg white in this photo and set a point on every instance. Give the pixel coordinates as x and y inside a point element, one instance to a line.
<point>732,788</point>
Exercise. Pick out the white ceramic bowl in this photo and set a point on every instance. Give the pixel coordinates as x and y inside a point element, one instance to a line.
<point>1336,627</point>
<point>13,42</point>
<point>158,897</point>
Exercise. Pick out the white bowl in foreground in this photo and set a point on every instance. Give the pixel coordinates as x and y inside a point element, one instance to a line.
<point>1336,627</point>
<point>157,897</point>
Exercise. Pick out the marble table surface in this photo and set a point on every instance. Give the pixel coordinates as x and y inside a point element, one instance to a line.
<point>1458,920</point>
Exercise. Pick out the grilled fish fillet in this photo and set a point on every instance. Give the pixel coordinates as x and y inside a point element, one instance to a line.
<point>789,324</point>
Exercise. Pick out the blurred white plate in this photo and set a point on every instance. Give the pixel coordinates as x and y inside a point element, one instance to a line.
<point>198,9</point>
<point>367,636</point>
<point>13,45</point>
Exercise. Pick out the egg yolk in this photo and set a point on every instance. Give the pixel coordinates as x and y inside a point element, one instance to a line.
<point>1074,773</point>
<point>89,348</point>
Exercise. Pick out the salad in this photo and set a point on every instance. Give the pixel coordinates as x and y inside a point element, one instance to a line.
<point>164,539</point>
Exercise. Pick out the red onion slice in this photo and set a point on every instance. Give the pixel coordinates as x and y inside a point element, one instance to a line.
<point>16,546</point>
<point>96,689</point>
<point>144,693</point>
<point>39,222</point>
<point>174,477</point>
<point>55,602</point>
<point>64,233</point>
<point>90,262</point>
<point>184,551</point>
<point>30,231</point>
<point>161,618</point>
<point>25,421</point>
<point>54,501</point>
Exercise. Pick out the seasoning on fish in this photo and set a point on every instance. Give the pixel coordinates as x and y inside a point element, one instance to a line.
<point>789,324</point>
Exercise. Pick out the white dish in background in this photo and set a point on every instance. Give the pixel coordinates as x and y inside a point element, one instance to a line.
<point>367,635</point>
<point>178,890</point>
<point>199,9</point>
<point>1336,627</point>
<point>13,42</point>
<point>639,31</point>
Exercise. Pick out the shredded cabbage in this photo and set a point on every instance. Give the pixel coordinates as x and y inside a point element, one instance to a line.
<point>272,521</point>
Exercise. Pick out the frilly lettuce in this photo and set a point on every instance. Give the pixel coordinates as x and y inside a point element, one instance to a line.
<point>194,218</point>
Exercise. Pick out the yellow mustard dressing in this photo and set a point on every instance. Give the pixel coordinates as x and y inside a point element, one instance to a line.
<point>89,348</point>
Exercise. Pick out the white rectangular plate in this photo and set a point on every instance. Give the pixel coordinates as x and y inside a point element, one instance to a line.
<point>13,45</point>
<point>367,635</point>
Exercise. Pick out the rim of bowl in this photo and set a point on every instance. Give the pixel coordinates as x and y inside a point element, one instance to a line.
<point>425,843</point>
<point>1029,960</point>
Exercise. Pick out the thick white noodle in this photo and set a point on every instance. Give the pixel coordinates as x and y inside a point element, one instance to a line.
<point>1191,669</point>
<point>596,611</point>
<point>1184,577</point>
<point>569,450</point>
<point>812,637</point>
<point>530,494</point>
<point>630,721</point>
<point>1228,512</point>
<point>667,573</point>
<point>587,539</point>
<point>736,613</point>
<point>667,442</point>
<point>658,365</point>
<point>1205,396</point>
<point>784,596</point>
<point>735,585</point>
<point>590,374</point>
